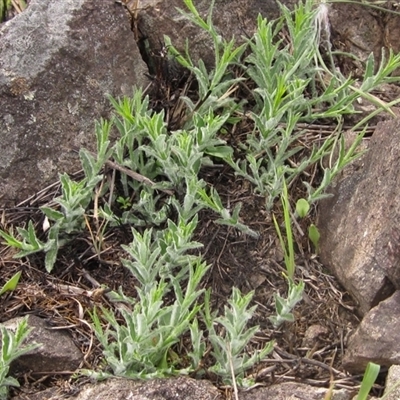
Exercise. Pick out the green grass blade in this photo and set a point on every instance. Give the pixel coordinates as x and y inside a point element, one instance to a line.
<point>370,375</point>
<point>11,284</point>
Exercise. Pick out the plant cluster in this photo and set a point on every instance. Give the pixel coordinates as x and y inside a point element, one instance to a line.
<point>159,172</point>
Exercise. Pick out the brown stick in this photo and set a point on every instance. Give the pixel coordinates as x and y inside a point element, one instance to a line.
<point>136,176</point>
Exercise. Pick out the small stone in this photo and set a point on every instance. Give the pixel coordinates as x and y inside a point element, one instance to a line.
<point>56,353</point>
<point>377,338</point>
<point>313,334</point>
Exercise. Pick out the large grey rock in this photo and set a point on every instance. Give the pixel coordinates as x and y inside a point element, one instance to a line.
<point>184,388</point>
<point>181,388</point>
<point>359,225</point>
<point>56,353</point>
<point>237,18</point>
<point>232,18</point>
<point>58,61</point>
<point>377,338</point>
<point>294,391</point>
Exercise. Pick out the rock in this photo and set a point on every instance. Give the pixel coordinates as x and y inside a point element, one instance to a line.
<point>181,388</point>
<point>56,353</point>
<point>377,338</point>
<point>58,61</point>
<point>237,18</point>
<point>357,30</point>
<point>315,333</point>
<point>392,389</point>
<point>232,19</point>
<point>294,391</point>
<point>359,225</point>
<point>184,388</point>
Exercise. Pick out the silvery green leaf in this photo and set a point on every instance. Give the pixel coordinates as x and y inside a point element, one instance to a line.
<point>51,213</point>
<point>88,163</point>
